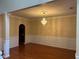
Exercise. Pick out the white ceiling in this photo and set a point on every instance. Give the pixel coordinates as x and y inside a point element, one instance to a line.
<point>56,8</point>
<point>12,5</point>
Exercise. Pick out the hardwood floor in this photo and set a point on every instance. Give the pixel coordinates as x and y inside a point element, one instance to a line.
<point>35,51</point>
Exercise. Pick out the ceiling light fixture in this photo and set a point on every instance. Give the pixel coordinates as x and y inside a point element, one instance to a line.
<point>44,21</point>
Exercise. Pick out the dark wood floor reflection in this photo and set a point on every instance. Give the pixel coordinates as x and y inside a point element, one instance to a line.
<point>35,51</point>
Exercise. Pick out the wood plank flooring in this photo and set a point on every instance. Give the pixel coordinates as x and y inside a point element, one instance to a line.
<point>35,51</point>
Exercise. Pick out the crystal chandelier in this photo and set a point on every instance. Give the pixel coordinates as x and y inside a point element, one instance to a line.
<point>44,21</point>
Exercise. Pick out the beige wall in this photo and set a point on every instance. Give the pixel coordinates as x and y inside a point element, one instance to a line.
<point>58,32</point>
<point>15,21</point>
<point>62,26</point>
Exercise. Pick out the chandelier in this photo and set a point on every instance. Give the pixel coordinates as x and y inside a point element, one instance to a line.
<point>44,21</point>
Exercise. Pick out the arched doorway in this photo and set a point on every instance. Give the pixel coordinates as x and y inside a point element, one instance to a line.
<point>21,34</point>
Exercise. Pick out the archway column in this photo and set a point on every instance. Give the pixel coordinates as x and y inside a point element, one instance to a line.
<point>7,35</point>
<point>77,32</point>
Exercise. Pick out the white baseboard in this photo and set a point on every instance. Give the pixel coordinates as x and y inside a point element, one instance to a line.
<point>14,41</point>
<point>60,42</point>
<point>27,39</point>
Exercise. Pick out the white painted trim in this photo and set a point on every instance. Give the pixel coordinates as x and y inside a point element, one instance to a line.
<point>61,42</point>
<point>77,31</point>
<point>14,41</point>
<point>7,36</point>
<point>6,49</point>
<point>27,39</point>
<point>63,15</point>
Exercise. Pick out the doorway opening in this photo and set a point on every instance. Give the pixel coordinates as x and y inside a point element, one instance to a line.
<point>21,34</point>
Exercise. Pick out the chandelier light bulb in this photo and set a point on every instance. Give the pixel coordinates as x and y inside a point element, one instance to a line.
<point>44,21</point>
